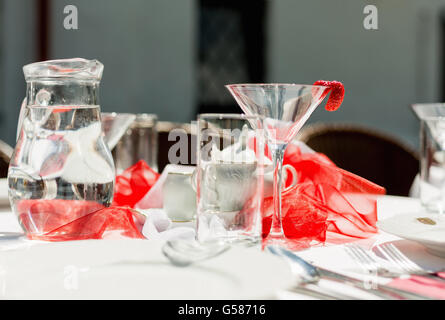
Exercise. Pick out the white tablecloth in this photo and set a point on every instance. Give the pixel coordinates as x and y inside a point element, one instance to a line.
<point>387,206</point>
<point>331,257</point>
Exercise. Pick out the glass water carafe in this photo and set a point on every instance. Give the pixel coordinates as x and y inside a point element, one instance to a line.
<point>61,168</point>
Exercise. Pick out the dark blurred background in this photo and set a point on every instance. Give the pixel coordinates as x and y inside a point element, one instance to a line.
<point>172,57</point>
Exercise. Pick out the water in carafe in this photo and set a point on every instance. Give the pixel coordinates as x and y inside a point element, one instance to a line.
<point>61,168</point>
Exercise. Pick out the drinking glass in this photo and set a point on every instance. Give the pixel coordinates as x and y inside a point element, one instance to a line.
<point>139,142</point>
<point>284,108</point>
<point>115,125</point>
<point>432,156</point>
<point>61,168</point>
<point>229,178</point>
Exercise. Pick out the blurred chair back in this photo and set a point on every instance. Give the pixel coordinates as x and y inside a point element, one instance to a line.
<point>176,131</point>
<point>5,156</point>
<point>368,153</point>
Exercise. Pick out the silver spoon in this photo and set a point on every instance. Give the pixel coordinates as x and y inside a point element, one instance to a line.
<point>183,253</point>
<point>10,235</point>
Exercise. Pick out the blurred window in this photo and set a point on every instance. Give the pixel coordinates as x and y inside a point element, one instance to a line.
<point>231,49</point>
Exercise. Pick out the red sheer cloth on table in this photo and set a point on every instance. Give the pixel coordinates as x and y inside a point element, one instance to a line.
<point>327,203</point>
<point>61,220</point>
<point>95,225</point>
<point>133,184</point>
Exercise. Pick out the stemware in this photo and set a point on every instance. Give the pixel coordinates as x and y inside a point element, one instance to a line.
<point>284,109</point>
<point>140,141</point>
<point>432,156</point>
<point>114,126</point>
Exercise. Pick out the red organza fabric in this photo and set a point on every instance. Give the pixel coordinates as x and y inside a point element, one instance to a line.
<point>326,203</point>
<point>62,220</point>
<point>133,184</point>
<point>42,216</point>
<point>96,225</point>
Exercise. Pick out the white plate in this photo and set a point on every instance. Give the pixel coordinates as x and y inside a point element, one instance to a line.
<point>408,227</point>
<point>136,269</point>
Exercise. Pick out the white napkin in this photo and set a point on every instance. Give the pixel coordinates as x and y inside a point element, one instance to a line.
<point>158,226</point>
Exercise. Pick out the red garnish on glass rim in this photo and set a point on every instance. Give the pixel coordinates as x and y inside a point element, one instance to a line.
<point>337,93</point>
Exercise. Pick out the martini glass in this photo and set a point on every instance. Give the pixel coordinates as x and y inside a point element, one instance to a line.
<point>284,109</point>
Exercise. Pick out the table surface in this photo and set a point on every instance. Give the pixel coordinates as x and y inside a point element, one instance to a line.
<point>387,206</point>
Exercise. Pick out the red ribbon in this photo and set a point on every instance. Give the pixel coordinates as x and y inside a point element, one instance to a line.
<point>326,203</point>
<point>62,220</point>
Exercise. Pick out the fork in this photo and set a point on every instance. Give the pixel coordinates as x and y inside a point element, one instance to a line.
<point>393,255</point>
<point>367,261</point>
<point>310,276</point>
<point>407,266</point>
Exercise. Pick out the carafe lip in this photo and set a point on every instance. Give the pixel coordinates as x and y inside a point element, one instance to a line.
<point>73,69</point>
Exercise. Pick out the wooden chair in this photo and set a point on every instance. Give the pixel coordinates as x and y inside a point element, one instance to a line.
<point>371,154</point>
<point>164,129</point>
<point>5,156</point>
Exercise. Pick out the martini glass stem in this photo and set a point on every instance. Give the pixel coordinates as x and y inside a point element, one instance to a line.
<point>276,231</point>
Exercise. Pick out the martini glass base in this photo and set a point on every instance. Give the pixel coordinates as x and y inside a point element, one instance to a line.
<point>246,241</point>
<point>281,241</point>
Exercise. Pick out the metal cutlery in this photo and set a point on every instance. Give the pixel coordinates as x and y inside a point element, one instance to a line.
<point>308,278</point>
<point>407,266</point>
<point>367,262</point>
<point>10,235</point>
<point>183,253</point>
<point>311,275</point>
<point>315,293</point>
